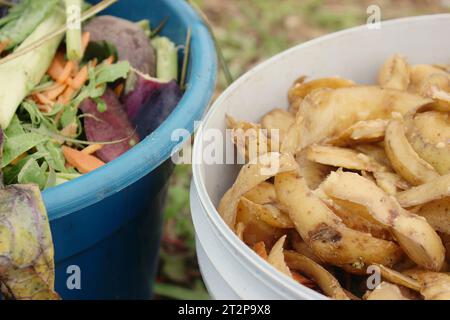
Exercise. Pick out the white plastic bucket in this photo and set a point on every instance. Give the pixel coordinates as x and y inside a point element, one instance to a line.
<point>230,269</point>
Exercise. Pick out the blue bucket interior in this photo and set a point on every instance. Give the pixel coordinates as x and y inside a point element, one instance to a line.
<point>108,222</point>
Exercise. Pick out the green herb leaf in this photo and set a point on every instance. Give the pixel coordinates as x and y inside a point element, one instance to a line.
<point>53,155</point>
<point>69,116</point>
<point>17,143</point>
<point>109,73</point>
<point>32,173</point>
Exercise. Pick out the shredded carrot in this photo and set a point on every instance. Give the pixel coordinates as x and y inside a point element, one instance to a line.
<point>119,90</point>
<point>93,148</point>
<point>66,72</point>
<point>67,95</point>
<point>80,79</point>
<point>260,249</point>
<point>57,66</point>
<point>85,40</point>
<point>69,82</point>
<point>44,108</point>
<point>42,98</point>
<point>75,69</point>
<point>82,162</point>
<point>54,93</point>
<point>109,60</point>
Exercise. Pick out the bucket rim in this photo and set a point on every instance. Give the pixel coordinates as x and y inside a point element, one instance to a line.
<point>151,152</point>
<point>210,210</point>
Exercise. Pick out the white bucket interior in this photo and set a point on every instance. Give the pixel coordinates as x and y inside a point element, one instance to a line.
<point>356,54</point>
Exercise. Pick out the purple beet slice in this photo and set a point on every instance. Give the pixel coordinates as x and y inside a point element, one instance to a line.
<point>150,103</point>
<point>130,40</point>
<point>111,125</point>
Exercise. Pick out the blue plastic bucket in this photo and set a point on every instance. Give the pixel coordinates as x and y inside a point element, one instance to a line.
<point>106,225</point>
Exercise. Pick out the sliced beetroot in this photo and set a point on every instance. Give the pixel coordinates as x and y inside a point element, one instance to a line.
<point>130,40</point>
<point>111,125</point>
<point>150,103</point>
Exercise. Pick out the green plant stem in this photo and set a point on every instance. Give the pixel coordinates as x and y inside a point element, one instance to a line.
<point>166,59</point>
<point>73,34</point>
<point>187,49</point>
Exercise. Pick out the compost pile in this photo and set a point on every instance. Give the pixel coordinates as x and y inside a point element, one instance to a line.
<point>352,178</point>
<point>77,91</point>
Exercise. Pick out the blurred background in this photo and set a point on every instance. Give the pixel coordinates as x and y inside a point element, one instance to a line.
<point>248,32</point>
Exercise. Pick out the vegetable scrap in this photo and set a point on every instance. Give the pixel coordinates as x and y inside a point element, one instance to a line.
<point>363,181</point>
<point>67,96</point>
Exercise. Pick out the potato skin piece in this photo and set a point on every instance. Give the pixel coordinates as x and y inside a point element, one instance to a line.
<point>325,280</point>
<point>404,159</point>
<point>437,189</point>
<point>251,175</point>
<point>416,237</point>
<point>395,73</point>
<point>437,213</point>
<point>429,134</point>
<point>325,113</point>
<point>386,291</point>
<point>326,234</point>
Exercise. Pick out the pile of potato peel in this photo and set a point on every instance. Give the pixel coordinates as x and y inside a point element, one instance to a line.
<point>361,178</point>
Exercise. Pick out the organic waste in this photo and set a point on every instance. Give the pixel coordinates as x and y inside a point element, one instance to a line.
<point>361,179</point>
<point>76,93</point>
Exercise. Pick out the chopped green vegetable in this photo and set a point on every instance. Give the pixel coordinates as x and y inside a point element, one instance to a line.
<point>99,77</point>
<point>145,25</point>
<point>17,141</point>
<point>166,59</point>
<point>19,76</point>
<point>109,73</point>
<point>23,19</point>
<point>32,173</point>
<point>101,105</point>
<point>69,116</point>
<point>53,155</point>
<point>73,35</point>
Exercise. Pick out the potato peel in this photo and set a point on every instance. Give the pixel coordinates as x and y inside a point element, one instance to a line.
<point>325,280</point>
<point>386,291</point>
<point>427,192</point>
<point>269,214</point>
<point>276,257</point>
<point>342,157</point>
<point>325,112</point>
<point>434,285</point>
<point>277,119</point>
<point>251,175</point>
<point>437,214</point>
<point>416,237</point>
<point>404,159</point>
<point>361,132</point>
<point>429,135</point>
<point>326,234</point>
<point>394,73</point>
